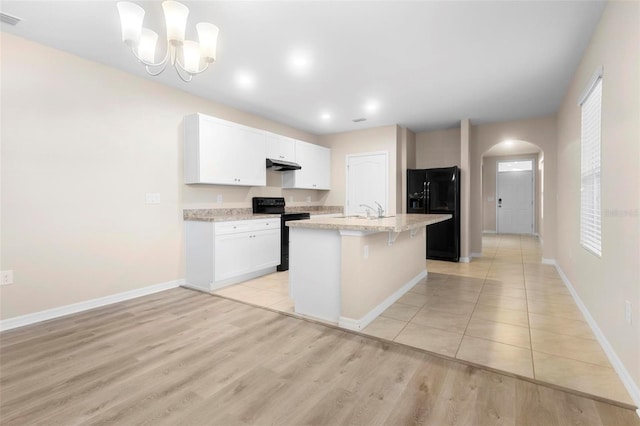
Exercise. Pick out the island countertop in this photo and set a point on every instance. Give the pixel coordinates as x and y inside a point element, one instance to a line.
<point>398,223</point>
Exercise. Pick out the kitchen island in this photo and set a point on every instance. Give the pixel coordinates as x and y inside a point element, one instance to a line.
<point>348,270</point>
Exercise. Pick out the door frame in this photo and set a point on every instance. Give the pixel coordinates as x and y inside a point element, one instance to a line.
<point>533,192</point>
<point>386,177</point>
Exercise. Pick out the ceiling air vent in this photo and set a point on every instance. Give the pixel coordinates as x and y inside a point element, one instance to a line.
<point>9,19</point>
<point>358,120</point>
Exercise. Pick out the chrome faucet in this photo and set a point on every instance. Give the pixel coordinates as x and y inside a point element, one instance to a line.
<point>379,209</point>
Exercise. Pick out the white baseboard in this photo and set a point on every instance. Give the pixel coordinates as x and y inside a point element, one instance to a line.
<point>472,255</point>
<point>61,311</point>
<point>489,231</point>
<point>465,260</point>
<point>628,382</point>
<point>359,324</point>
<point>549,262</point>
<point>217,285</point>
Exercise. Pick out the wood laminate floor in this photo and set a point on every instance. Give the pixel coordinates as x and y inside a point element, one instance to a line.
<point>181,357</point>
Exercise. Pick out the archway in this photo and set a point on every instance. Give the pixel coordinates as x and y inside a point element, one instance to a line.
<point>510,150</point>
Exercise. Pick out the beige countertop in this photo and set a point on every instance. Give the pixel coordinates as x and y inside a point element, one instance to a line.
<point>399,223</point>
<point>224,215</point>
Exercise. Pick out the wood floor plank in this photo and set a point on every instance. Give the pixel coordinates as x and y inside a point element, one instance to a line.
<point>183,357</point>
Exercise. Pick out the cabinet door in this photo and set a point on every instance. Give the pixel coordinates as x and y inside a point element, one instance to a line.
<point>249,157</point>
<point>266,248</point>
<point>316,168</point>
<point>280,147</point>
<point>216,152</point>
<point>232,255</point>
<point>323,170</point>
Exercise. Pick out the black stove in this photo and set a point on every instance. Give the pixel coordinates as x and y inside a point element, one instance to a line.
<point>276,205</point>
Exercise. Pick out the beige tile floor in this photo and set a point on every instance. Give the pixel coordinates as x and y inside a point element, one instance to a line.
<point>504,310</point>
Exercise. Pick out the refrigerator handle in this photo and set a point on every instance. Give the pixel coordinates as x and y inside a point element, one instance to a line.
<point>427,193</point>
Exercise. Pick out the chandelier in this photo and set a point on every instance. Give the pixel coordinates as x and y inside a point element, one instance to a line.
<point>186,56</point>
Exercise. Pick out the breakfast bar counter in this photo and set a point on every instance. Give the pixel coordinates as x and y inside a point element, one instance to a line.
<point>348,270</point>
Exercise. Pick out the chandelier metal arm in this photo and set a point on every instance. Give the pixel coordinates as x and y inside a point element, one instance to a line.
<point>179,65</point>
<point>162,63</point>
<point>182,77</point>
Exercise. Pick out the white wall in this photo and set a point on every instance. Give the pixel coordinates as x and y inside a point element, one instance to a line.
<point>604,283</point>
<point>81,145</point>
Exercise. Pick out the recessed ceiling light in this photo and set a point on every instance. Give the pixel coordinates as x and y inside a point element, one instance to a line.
<point>372,106</point>
<point>325,116</point>
<point>299,61</point>
<point>245,79</point>
<point>508,143</point>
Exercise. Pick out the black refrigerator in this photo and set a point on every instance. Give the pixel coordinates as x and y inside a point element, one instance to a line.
<point>437,191</point>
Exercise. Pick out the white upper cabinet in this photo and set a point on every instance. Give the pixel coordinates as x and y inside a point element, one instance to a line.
<point>280,147</point>
<point>316,168</point>
<point>224,153</point>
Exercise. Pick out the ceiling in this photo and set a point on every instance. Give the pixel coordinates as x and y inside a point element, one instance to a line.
<point>425,65</point>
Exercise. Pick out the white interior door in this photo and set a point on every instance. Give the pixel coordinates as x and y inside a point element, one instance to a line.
<point>367,182</point>
<point>515,201</point>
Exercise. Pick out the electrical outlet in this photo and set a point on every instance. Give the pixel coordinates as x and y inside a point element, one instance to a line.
<point>366,251</point>
<point>6,277</point>
<point>308,199</point>
<point>219,199</point>
<point>627,312</point>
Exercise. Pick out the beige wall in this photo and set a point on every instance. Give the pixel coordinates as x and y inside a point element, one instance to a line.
<point>81,145</point>
<point>440,148</point>
<point>407,143</point>
<point>366,283</point>
<point>489,167</point>
<point>356,142</point>
<point>538,131</point>
<point>604,283</point>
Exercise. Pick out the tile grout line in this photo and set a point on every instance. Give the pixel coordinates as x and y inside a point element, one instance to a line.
<point>526,298</point>
<point>464,333</point>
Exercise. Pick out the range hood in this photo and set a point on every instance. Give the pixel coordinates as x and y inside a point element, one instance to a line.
<point>281,165</point>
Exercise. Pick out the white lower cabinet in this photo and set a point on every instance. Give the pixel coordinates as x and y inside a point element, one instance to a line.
<point>224,253</point>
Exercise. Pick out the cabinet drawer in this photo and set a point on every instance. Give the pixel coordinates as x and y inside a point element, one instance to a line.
<point>225,228</point>
<point>263,224</point>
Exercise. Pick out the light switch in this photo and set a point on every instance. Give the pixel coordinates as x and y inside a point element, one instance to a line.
<point>152,198</point>
<point>366,252</point>
<point>219,199</point>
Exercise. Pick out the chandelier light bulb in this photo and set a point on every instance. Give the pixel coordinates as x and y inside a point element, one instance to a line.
<point>208,37</point>
<point>175,15</point>
<point>147,45</point>
<point>131,16</point>
<point>191,52</point>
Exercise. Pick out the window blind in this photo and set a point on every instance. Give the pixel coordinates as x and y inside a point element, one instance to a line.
<point>590,201</point>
